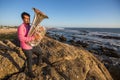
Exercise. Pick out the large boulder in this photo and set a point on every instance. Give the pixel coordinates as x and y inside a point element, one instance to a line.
<point>60,62</point>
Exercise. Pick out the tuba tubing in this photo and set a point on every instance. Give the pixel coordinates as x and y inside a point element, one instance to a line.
<point>36,29</point>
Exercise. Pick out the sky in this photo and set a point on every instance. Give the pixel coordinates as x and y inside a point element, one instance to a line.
<point>64,13</point>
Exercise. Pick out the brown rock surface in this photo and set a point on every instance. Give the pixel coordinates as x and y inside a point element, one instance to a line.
<point>10,61</point>
<point>61,62</point>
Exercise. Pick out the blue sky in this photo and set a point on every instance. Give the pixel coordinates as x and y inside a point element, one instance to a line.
<point>64,13</point>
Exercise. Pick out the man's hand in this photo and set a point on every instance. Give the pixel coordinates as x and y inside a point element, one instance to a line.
<point>37,36</point>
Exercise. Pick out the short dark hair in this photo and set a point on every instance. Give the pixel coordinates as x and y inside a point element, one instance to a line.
<point>24,13</point>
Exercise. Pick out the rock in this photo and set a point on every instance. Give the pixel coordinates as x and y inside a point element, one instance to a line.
<point>10,62</point>
<point>109,52</point>
<point>11,58</point>
<point>72,42</point>
<point>112,64</point>
<point>70,63</point>
<point>114,70</point>
<point>3,46</point>
<point>110,37</point>
<point>10,44</point>
<point>61,62</point>
<point>62,38</point>
<point>82,43</point>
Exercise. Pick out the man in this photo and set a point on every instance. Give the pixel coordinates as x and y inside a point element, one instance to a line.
<point>23,30</point>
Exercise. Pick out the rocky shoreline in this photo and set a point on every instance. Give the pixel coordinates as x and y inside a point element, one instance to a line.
<point>108,56</point>
<point>59,61</point>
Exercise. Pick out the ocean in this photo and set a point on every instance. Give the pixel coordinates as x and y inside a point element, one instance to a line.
<point>95,37</point>
<point>111,30</point>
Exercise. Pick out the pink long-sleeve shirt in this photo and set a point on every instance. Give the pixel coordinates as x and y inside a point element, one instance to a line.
<point>23,38</point>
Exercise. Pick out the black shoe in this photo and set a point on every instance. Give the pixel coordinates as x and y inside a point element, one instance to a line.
<point>31,75</point>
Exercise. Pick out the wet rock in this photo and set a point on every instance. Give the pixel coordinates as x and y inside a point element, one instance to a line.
<point>110,37</point>
<point>109,52</point>
<point>62,38</point>
<point>112,64</point>
<point>82,43</point>
<point>72,42</point>
<point>114,71</point>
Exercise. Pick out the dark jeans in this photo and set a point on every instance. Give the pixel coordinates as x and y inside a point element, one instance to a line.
<point>28,54</point>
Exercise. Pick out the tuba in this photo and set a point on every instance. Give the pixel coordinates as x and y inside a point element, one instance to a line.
<point>36,29</point>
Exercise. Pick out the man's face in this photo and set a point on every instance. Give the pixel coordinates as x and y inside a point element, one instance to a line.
<point>26,19</point>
